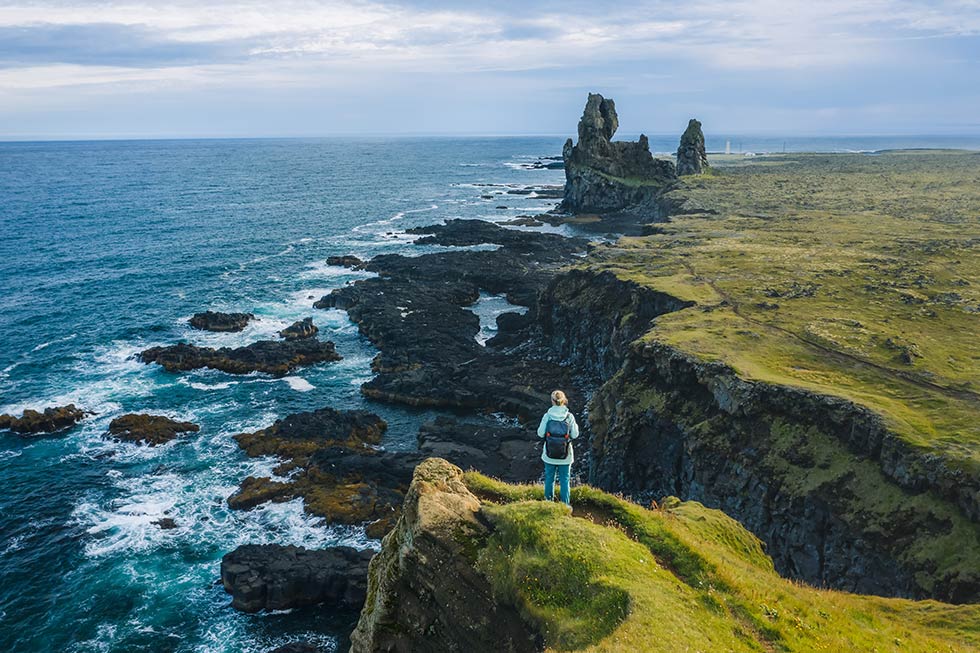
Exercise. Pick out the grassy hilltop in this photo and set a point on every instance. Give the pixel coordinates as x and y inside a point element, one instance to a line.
<point>850,275</point>
<point>679,578</point>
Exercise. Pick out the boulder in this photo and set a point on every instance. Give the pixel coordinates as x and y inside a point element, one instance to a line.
<point>214,321</point>
<point>51,420</point>
<point>278,358</point>
<point>275,577</point>
<point>691,156</point>
<point>151,429</point>
<point>300,329</point>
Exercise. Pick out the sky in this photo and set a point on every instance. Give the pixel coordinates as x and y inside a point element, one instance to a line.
<point>318,68</point>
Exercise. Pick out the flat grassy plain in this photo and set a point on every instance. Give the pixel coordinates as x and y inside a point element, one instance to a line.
<point>680,578</point>
<point>850,275</point>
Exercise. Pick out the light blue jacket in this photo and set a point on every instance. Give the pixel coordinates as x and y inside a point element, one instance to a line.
<point>558,413</point>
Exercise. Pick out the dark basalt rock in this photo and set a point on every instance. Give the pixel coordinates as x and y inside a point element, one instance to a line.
<point>691,157</point>
<point>299,435</point>
<point>510,453</point>
<point>214,321</point>
<point>274,577</point>
<point>151,429</point>
<point>300,329</point>
<point>602,175</point>
<point>334,465</point>
<point>166,523</point>
<point>278,358</point>
<point>51,420</point>
<point>348,261</point>
<point>415,313</point>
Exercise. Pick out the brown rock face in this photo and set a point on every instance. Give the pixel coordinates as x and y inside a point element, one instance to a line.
<point>151,429</point>
<point>51,420</point>
<point>424,594</point>
<point>602,175</point>
<point>691,156</point>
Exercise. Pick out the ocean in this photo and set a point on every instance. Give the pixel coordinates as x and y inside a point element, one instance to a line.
<point>108,248</point>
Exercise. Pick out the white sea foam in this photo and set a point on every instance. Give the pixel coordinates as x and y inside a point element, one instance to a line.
<point>6,455</point>
<point>298,384</point>
<point>45,345</point>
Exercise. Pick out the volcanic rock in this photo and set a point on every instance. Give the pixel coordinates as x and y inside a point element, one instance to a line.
<point>214,321</point>
<point>300,329</point>
<point>510,453</point>
<point>275,577</point>
<point>51,420</point>
<point>348,261</point>
<point>602,175</point>
<point>278,358</point>
<point>691,157</point>
<point>300,434</point>
<point>151,429</point>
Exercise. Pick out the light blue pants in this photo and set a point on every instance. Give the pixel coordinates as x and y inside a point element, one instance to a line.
<point>549,482</point>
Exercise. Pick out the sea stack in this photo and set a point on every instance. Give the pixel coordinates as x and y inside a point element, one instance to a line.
<point>604,176</point>
<point>691,157</point>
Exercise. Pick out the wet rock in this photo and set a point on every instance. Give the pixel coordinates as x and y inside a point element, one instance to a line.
<point>416,313</point>
<point>149,429</point>
<point>691,157</point>
<point>165,523</point>
<point>275,577</point>
<point>523,221</point>
<point>602,175</point>
<point>278,358</point>
<point>300,434</point>
<point>424,592</point>
<point>348,261</point>
<point>300,329</point>
<point>214,321</point>
<point>50,420</point>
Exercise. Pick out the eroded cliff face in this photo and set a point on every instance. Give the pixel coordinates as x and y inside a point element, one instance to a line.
<point>819,479</point>
<point>602,175</point>
<point>424,590</point>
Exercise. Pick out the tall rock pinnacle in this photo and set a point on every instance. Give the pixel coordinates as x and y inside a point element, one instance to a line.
<point>691,157</point>
<point>602,175</point>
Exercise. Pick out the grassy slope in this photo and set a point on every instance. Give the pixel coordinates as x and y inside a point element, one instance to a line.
<point>851,275</point>
<point>680,578</point>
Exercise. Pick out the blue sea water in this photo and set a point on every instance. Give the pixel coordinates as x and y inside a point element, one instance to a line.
<point>107,248</point>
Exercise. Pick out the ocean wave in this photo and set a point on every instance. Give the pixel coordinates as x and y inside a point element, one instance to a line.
<point>298,384</point>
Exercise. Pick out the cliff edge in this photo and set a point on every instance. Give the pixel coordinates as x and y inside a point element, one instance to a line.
<point>479,565</point>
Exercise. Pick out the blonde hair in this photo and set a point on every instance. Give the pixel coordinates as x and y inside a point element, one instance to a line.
<point>558,398</point>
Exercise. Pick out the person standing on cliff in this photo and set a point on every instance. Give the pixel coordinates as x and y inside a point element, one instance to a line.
<point>558,428</point>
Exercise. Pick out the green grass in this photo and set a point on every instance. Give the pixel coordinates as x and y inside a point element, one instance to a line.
<point>681,577</point>
<point>848,275</point>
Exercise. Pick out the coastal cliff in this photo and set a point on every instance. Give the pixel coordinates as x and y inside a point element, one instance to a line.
<point>478,565</point>
<point>821,480</point>
<point>605,176</point>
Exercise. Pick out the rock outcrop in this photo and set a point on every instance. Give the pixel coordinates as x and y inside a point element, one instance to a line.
<point>277,358</point>
<point>50,420</point>
<point>691,156</point>
<point>346,261</point>
<point>424,593</point>
<point>150,429</point>
<point>214,321</point>
<point>274,577</point>
<point>416,312</point>
<point>300,329</point>
<point>602,175</point>
<point>510,453</point>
